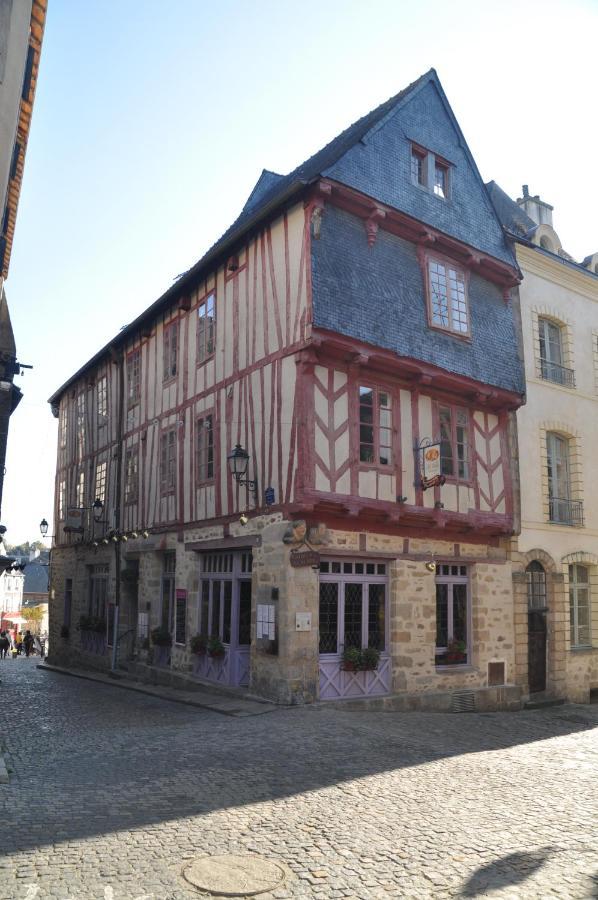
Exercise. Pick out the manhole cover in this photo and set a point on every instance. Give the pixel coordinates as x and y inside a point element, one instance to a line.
<point>233,876</point>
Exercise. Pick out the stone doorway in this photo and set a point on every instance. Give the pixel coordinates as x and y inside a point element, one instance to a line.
<point>537,631</point>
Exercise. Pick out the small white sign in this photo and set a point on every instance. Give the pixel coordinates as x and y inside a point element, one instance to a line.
<point>303,621</point>
<point>266,620</point>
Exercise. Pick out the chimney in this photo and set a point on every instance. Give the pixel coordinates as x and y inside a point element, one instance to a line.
<point>536,209</point>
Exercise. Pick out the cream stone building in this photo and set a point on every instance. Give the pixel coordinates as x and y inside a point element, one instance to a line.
<point>556,586</point>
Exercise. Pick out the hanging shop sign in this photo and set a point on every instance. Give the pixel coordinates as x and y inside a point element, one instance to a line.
<point>429,464</point>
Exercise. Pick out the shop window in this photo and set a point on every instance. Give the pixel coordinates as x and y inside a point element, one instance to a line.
<point>353,607</point>
<point>452,615</point>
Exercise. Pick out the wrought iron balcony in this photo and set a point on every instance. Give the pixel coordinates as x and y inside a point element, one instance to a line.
<point>551,371</point>
<point>566,512</point>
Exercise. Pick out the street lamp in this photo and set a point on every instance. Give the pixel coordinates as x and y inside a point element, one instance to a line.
<point>237,462</point>
<point>43,527</point>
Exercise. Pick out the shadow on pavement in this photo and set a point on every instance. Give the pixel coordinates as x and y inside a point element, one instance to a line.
<point>89,759</point>
<point>505,872</point>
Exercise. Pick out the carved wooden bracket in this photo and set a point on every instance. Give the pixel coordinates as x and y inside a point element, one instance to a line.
<point>372,224</point>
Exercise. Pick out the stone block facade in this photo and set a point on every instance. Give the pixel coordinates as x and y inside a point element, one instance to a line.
<point>287,669</point>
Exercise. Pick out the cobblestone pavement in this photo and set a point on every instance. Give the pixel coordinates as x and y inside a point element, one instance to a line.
<point>112,791</point>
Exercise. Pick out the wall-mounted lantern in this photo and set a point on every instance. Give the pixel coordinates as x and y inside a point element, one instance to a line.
<point>237,462</point>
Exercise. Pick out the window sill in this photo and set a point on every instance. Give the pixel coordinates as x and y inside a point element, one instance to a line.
<point>464,336</point>
<point>202,362</point>
<point>456,668</point>
<point>583,650</point>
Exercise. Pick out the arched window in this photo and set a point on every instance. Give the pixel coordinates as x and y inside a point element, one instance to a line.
<point>536,586</point>
<point>579,604</point>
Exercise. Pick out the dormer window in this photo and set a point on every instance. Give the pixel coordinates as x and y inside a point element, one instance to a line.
<point>430,171</point>
<point>440,180</point>
<point>418,166</point>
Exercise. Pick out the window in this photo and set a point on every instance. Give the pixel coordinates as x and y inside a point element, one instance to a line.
<point>375,426</point>
<point>204,449</point>
<point>352,606</point>
<point>551,354</point>
<point>100,491</point>
<point>452,615</point>
<point>535,577</point>
<point>168,461</point>
<point>454,442</point>
<point>418,166</point>
<point>131,476</point>
<point>68,602</point>
<point>81,424</point>
<point>562,508</point>
<point>63,427</point>
<point>447,297</point>
<point>61,500</point>
<point>441,180</point>
<point>579,604</point>
<point>134,377</point>
<point>98,590</point>
<point>206,318</point>
<point>80,490</point>
<point>171,339</point>
<point>167,598</point>
<point>222,587</point>
<point>180,619</point>
<point>102,399</point>
<point>430,171</point>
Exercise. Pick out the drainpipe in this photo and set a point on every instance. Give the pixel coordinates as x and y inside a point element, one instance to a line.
<point>117,503</point>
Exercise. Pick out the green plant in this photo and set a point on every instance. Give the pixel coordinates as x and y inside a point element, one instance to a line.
<point>370,657</point>
<point>214,646</point>
<point>351,659</point>
<point>161,637</point>
<point>198,644</point>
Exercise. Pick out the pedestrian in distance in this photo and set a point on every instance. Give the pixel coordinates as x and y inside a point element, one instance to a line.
<point>28,642</point>
<point>4,645</point>
<point>19,643</point>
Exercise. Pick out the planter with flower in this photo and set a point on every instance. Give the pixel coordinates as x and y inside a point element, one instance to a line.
<point>456,652</point>
<point>370,657</point>
<point>215,647</point>
<point>351,661</point>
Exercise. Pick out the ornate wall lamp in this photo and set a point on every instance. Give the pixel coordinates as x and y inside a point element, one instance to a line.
<point>237,462</point>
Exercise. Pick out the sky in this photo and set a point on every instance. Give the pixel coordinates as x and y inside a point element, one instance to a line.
<point>153,121</point>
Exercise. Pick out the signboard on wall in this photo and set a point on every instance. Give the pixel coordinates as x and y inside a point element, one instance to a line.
<point>430,464</point>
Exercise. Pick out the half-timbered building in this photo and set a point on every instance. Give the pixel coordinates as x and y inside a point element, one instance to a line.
<point>349,348</point>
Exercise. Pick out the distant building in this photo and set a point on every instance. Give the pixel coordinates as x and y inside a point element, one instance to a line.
<point>556,582</point>
<point>21,34</point>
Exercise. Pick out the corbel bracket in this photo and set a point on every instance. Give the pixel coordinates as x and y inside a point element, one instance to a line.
<point>372,223</point>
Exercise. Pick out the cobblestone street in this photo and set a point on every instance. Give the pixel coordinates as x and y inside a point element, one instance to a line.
<point>111,791</point>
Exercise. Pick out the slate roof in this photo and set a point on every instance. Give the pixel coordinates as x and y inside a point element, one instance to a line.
<point>513,217</point>
<point>273,191</point>
<point>36,578</point>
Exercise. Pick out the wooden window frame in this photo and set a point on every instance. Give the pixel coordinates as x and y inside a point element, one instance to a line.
<point>63,427</point>
<point>454,409</point>
<point>103,481</point>
<point>167,488</point>
<point>199,428</point>
<point>80,490</point>
<point>451,580</point>
<point>170,351</point>
<point>426,258</point>
<point>102,400</point>
<point>376,464</point>
<point>62,500</point>
<point>133,377</point>
<point>202,351</point>
<point>80,421</point>
<point>574,587</point>
<point>430,162</point>
<point>131,496</point>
